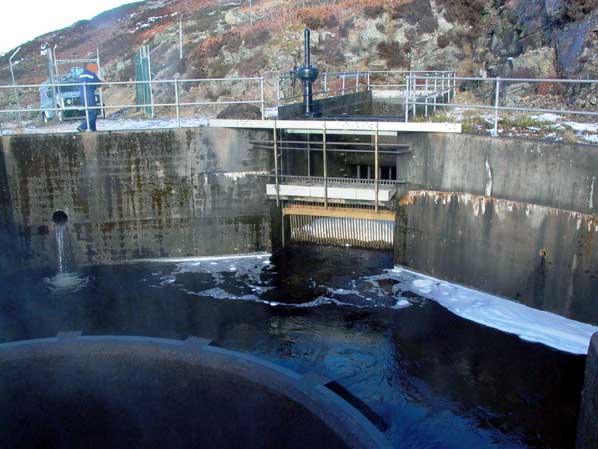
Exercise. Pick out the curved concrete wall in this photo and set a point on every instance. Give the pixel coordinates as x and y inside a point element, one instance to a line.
<point>123,392</point>
<point>514,217</point>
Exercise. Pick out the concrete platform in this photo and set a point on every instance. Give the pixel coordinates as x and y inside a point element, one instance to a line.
<point>336,192</point>
<point>337,126</point>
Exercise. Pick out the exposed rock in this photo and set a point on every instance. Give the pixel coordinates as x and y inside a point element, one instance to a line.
<point>555,9</point>
<point>241,112</point>
<point>576,41</point>
<point>371,34</point>
<point>540,63</point>
<point>515,93</point>
<point>235,17</point>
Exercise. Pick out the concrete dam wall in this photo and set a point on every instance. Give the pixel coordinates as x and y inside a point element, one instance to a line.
<point>129,195</point>
<point>513,217</point>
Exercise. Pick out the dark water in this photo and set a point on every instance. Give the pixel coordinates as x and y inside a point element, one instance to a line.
<point>438,380</point>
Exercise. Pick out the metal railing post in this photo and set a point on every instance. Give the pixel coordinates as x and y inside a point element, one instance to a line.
<point>275,139</point>
<point>344,75</point>
<point>325,83</point>
<point>149,74</point>
<point>368,81</point>
<point>407,83</point>
<point>262,97</point>
<point>376,167</point>
<point>278,92</point>
<point>435,92</point>
<point>85,87</point>
<point>176,101</point>
<point>496,104</point>
<point>325,166</point>
<point>443,75</point>
<point>426,101</point>
<point>16,92</point>
<point>357,83</point>
<point>454,86</point>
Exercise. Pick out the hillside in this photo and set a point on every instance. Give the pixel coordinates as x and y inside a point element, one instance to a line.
<point>539,38</point>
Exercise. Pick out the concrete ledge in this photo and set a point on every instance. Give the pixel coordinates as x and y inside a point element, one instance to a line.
<point>368,214</point>
<point>334,193</point>
<point>338,126</point>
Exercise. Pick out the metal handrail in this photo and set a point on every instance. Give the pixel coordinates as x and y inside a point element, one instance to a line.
<point>498,82</point>
<point>362,81</point>
<point>317,179</point>
<point>170,82</point>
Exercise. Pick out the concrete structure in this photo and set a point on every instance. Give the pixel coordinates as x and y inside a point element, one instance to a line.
<point>123,392</point>
<point>587,430</point>
<point>514,217</point>
<point>336,192</point>
<point>359,103</point>
<point>135,194</point>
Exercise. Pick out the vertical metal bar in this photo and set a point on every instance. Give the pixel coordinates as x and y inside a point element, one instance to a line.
<point>278,92</point>
<point>262,97</point>
<point>176,101</point>
<point>282,216</point>
<point>275,138</point>
<point>344,75</point>
<point>376,168</point>
<point>86,105</point>
<point>454,85</point>
<point>14,86</point>
<point>407,80</point>
<point>496,102</point>
<point>56,61</point>
<point>442,79</point>
<point>181,38</point>
<point>435,92</point>
<point>325,167</point>
<point>368,80</point>
<point>426,101</point>
<point>100,93</point>
<point>52,80</point>
<point>149,76</point>
<point>308,155</point>
<point>357,83</point>
<point>326,83</point>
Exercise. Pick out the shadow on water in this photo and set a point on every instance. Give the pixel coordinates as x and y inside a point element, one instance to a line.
<point>439,381</point>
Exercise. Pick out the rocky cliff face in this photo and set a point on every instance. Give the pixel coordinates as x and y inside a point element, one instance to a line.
<point>521,38</point>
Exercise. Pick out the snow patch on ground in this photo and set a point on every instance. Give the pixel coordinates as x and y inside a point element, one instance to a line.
<point>548,118</point>
<point>503,314</point>
<point>107,125</point>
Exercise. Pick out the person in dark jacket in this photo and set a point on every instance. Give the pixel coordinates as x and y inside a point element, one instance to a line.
<point>89,83</point>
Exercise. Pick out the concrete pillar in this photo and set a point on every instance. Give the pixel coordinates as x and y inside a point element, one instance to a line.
<point>587,426</point>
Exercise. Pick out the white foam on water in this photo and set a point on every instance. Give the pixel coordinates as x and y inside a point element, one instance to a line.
<point>215,259</point>
<point>506,315</point>
<point>64,283</point>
